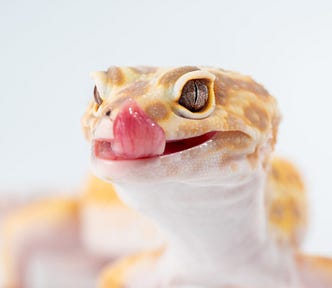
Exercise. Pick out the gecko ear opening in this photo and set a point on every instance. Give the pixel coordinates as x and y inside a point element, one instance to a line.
<point>194,95</point>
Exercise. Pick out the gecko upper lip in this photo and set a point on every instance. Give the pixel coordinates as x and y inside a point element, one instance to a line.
<point>102,148</point>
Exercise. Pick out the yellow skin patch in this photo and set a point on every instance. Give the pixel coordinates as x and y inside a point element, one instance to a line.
<point>99,191</point>
<point>115,276</point>
<point>286,201</point>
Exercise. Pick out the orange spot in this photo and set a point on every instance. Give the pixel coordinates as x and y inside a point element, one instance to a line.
<point>135,89</point>
<point>157,111</point>
<point>257,116</point>
<point>115,76</point>
<point>224,83</point>
<point>233,140</point>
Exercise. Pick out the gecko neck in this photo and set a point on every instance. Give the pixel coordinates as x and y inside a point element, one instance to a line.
<point>215,230</point>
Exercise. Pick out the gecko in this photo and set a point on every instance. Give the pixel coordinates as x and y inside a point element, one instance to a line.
<point>192,194</point>
<point>191,148</point>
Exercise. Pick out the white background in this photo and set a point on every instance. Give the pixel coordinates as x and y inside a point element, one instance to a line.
<point>48,48</point>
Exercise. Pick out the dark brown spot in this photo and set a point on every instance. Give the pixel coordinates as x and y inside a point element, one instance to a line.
<point>115,76</point>
<point>157,111</point>
<point>170,77</point>
<point>257,116</point>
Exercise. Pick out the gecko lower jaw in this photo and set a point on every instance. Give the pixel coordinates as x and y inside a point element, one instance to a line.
<point>102,148</point>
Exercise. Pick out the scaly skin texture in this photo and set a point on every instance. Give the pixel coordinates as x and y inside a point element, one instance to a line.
<point>232,216</point>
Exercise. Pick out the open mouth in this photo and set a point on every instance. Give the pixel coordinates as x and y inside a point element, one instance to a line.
<point>103,148</point>
<point>185,144</point>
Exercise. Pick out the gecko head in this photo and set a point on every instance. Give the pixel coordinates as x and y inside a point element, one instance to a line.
<point>177,124</point>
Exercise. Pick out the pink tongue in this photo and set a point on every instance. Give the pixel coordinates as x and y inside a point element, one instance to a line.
<point>136,135</point>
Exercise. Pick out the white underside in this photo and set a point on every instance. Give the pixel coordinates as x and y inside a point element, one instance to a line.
<point>217,234</point>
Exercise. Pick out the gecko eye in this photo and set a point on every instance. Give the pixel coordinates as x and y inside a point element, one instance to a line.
<point>97,96</point>
<point>194,95</point>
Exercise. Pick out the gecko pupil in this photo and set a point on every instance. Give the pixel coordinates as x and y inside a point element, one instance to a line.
<point>194,95</point>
